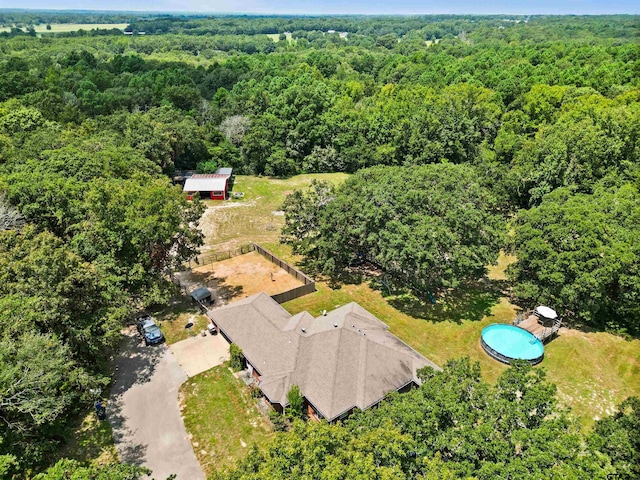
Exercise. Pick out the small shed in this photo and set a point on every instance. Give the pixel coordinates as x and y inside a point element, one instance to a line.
<point>202,295</point>
<point>209,185</point>
<point>213,186</point>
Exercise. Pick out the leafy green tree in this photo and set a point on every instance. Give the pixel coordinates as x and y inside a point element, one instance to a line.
<point>39,383</point>
<point>430,225</point>
<point>302,210</point>
<point>137,228</point>
<point>619,437</point>
<point>295,409</point>
<point>167,137</point>
<point>72,470</point>
<point>579,253</point>
<point>236,359</point>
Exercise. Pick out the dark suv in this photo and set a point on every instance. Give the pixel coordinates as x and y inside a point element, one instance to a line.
<point>149,330</point>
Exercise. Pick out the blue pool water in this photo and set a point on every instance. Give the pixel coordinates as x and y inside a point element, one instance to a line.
<point>512,342</point>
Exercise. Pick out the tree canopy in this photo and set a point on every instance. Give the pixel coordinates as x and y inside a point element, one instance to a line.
<point>453,426</point>
<point>433,224</point>
<point>580,253</point>
<point>457,129</point>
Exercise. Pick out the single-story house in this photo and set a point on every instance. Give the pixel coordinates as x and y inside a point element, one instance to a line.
<point>343,360</point>
<point>209,185</point>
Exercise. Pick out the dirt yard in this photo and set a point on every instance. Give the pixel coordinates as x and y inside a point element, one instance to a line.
<point>243,276</point>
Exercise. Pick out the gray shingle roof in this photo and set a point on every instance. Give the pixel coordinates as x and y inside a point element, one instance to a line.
<point>341,360</point>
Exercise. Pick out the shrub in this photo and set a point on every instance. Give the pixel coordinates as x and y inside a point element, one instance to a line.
<point>236,360</point>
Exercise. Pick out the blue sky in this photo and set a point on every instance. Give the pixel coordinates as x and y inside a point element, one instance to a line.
<point>338,6</point>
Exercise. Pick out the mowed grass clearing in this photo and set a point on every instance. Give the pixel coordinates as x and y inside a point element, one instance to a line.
<point>257,217</point>
<point>222,419</point>
<point>276,37</point>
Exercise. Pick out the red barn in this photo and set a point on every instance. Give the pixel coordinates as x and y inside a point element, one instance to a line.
<point>211,185</point>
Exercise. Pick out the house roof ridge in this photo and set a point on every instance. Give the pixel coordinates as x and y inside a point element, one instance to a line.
<point>362,370</point>
<point>335,370</point>
<point>210,175</point>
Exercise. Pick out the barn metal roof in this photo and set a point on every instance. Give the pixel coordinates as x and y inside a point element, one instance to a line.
<point>206,183</point>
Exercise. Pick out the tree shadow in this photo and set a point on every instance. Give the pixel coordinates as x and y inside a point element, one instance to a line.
<point>129,452</point>
<point>470,302</point>
<point>222,291</point>
<point>136,362</point>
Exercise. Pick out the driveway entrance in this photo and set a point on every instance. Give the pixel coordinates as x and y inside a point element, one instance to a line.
<point>144,414</point>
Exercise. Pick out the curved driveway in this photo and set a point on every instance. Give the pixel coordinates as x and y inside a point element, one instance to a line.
<point>144,414</point>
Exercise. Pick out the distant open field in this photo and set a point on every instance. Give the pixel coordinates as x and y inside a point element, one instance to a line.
<point>72,27</point>
<point>276,37</point>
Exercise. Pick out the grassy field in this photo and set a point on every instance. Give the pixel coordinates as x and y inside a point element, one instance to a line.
<point>221,418</point>
<point>257,217</point>
<point>276,37</point>
<point>72,27</point>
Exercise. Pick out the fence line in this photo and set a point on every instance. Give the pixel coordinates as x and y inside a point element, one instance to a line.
<point>282,264</point>
<point>294,293</point>
<point>309,284</point>
<point>211,257</point>
<point>308,287</point>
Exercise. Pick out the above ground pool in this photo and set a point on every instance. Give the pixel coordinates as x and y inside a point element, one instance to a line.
<point>506,343</point>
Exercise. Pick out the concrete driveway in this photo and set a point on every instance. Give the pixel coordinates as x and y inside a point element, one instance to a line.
<point>144,414</point>
<point>198,354</point>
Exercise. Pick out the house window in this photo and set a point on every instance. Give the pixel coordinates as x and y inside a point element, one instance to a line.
<point>217,194</point>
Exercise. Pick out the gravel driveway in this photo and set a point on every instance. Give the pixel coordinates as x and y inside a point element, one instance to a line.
<point>144,414</point>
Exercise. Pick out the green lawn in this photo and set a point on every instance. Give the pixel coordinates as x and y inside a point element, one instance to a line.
<point>221,418</point>
<point>276,37</point>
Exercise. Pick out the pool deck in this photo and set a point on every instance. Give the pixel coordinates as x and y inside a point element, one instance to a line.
<point>532,325</point>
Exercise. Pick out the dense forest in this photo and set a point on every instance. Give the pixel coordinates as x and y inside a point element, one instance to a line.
<point>466,135</point>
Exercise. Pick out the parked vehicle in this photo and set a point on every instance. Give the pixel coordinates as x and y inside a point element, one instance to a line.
<point>148,328</point>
